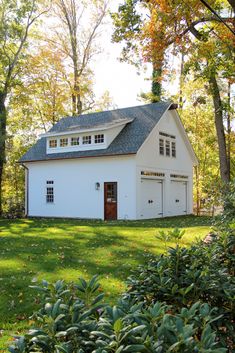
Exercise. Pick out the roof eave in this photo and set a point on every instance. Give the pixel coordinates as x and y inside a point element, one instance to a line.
<point>80,157</point>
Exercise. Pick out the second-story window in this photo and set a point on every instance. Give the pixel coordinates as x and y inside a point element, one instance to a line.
<point>53,143</point>
<point>99,138</point>
<point>168,152</point>
<point>86,140</point>
<point>167,145</point>
<point>173,149</point>
<point>74,141</point>
<point>161,147</point>
<point>63,142</point>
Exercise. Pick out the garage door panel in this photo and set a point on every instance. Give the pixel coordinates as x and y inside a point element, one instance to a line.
<point>151,198</point>
<point>178,198</point>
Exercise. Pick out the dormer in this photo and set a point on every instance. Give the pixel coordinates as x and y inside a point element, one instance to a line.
<point>80,136</point>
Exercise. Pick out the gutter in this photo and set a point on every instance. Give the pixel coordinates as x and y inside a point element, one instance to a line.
<point>26,189</point>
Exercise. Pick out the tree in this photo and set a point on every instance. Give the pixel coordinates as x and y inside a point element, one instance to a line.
<point>17,17</point>
<point>182,27</point>
<point>197,117</point>
<point>79,23</point>
<point>43,97</point>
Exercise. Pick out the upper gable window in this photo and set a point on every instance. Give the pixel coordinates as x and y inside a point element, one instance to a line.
<point>167,145</point>
<point>74,141</point>
<point>53,143</point>
<point>86,140</point>
<point>99,138</point>
<point>161,147</point>
<point>64,142</point>
<point>173,149</point>
<point>168,151</point>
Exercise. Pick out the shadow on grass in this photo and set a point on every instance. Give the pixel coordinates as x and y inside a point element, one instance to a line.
<point>68,249</point>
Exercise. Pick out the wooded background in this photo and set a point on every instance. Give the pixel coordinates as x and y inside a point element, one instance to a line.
<point>46,52</point>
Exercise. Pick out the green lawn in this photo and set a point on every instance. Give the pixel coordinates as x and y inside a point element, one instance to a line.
<point>36,249</point>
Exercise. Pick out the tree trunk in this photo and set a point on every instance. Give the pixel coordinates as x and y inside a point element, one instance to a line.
<point>181,82</point>
<point>3,118</point>
<point>232,3</point>
<point>224,170</point>
<point>229,130</point>
<point>76,100</point>
<point>198,201</point>
<point>76,95</point>
<point>156,85</point>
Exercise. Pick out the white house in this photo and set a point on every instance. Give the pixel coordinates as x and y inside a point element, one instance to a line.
<point>131,163</point>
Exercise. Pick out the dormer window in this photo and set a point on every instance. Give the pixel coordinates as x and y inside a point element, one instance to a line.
<point>86,140</point>
<point>53,143</point>
<point>99,138</point>
<point>64,142</point>
<point>74,141</point>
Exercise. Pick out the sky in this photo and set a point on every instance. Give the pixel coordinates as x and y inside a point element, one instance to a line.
<point>120,79</point>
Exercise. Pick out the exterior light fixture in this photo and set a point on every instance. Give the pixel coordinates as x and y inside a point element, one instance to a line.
<point>97,186</point>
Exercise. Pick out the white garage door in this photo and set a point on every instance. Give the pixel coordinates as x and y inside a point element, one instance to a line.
<point>151,198</point>
<point>178,198</point>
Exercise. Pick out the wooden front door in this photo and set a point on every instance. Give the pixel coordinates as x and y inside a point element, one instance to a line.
<point>110,201</point>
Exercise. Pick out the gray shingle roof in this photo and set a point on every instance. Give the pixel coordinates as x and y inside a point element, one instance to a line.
<point>130,139</point>
<point>88,121</point>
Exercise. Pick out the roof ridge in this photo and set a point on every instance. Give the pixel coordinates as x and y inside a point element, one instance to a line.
<point>117,109</point>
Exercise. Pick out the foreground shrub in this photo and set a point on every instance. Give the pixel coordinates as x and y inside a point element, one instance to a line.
<point>13,208</point>
<point>73,318</point>
<point>187,275</point>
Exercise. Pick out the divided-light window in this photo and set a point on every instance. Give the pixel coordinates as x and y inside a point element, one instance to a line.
<point>161,147</point>
<point>168,153</point>
<point>53,143</point>
<point>74,141</point>
<point>99,138</point>
<point>173,149</point>
<point>50,182</point>
<point>167,145</point>
<point>64,142</point>
<point>86,140</point>
<point>50,194</point>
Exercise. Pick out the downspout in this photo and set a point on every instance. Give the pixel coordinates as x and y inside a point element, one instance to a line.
<point>26,189</point>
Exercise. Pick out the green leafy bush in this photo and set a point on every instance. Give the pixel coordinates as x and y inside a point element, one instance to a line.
<point>187,275</point>
<point>229,203</point>
<point>74,319</point>
<point>179,302</point>
<point>13,208</point>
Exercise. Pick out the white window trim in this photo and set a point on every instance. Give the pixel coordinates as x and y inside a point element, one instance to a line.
<point>170,140</point>
<point>80,147</point>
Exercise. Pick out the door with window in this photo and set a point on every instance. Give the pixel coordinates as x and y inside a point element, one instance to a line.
<point>110,200</point>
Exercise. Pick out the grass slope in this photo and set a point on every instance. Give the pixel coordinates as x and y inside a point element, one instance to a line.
<point>36,249</point>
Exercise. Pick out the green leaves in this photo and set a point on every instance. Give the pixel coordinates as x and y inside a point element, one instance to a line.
<point>180,302</point>
<point>66,324</point>
<point>189,277</point>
